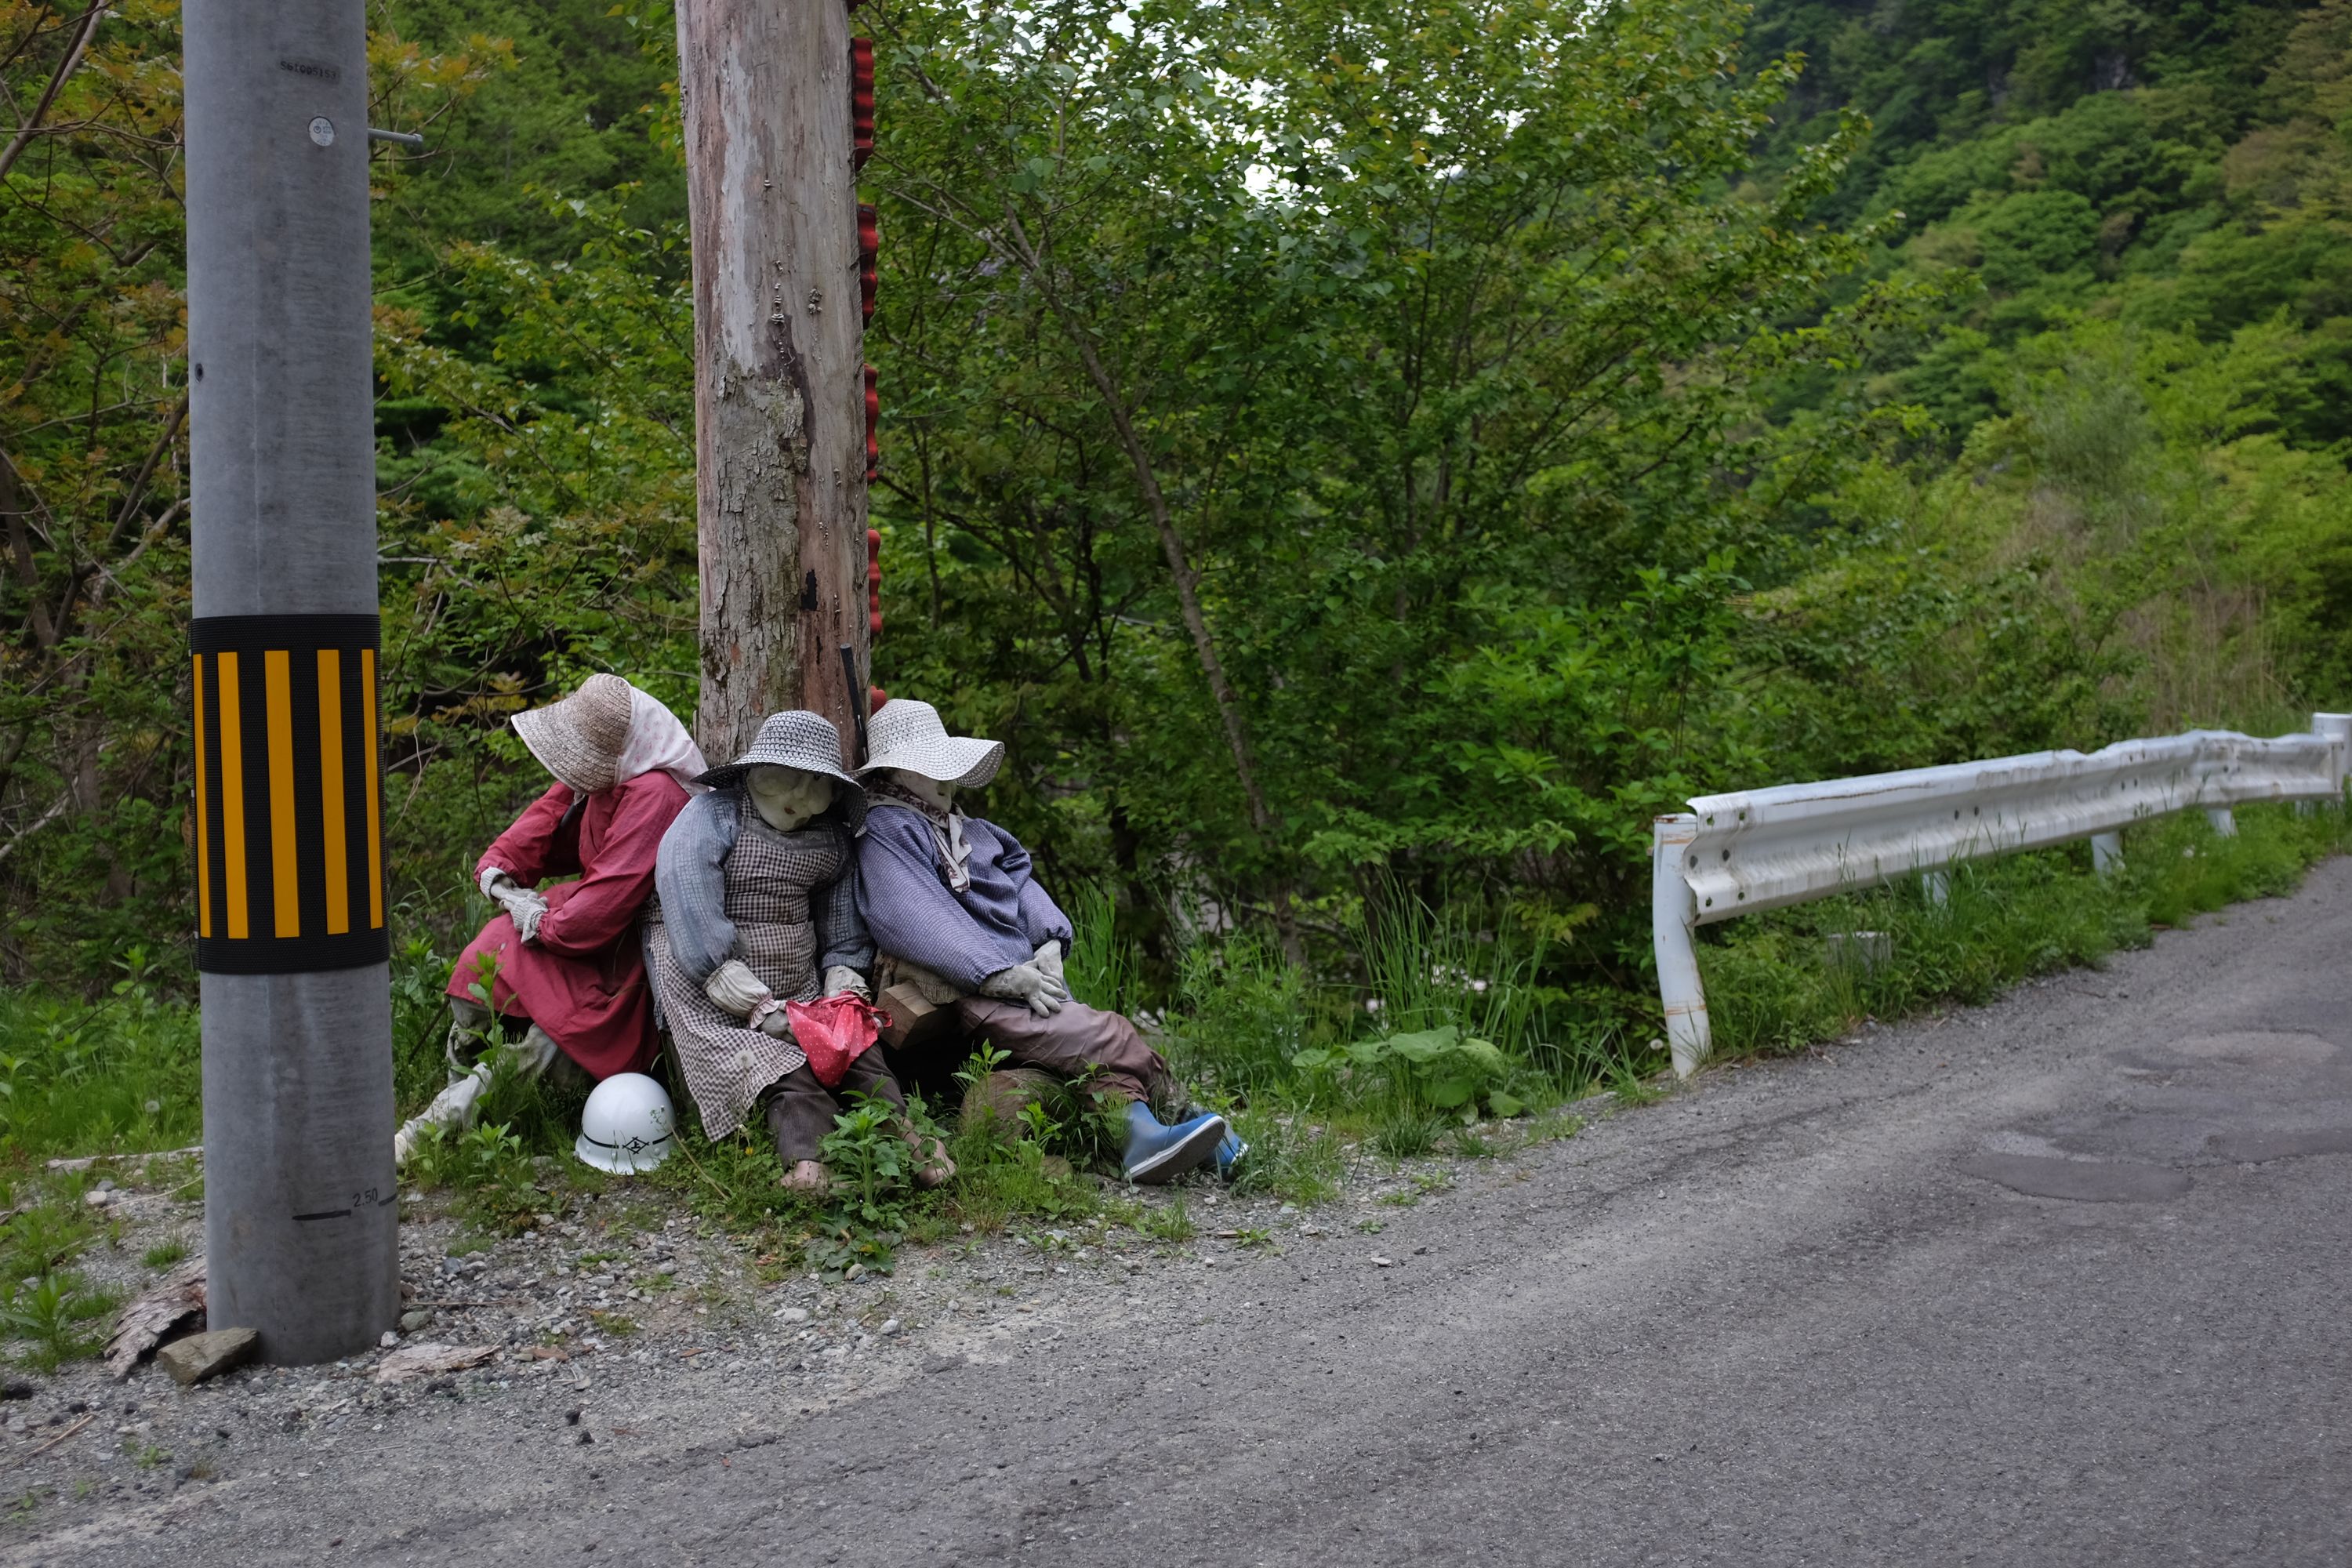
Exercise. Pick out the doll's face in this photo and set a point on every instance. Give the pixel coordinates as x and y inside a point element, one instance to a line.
<point>787,797</point>
<point>940,795</point>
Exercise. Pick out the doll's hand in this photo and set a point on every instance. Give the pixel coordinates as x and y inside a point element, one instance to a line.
<point>733,988</point>
<point>527,907</point>
<point>1028,985</point>
<point>1049,962</point>
<point>843,981</point>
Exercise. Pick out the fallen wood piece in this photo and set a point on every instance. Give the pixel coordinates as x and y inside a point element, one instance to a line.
<point>84,1161</point>
<point>199,1356</point>
<point>55,1440</point>
<point>427,1358</point>
<point>164,1308</point>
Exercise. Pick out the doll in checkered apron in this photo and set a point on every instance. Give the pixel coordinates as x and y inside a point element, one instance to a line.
<point>760,955</point>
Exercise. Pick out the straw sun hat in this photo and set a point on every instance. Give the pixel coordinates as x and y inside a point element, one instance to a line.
<point>580,738</point>
<point>907,735</point>
<point>796,739</point>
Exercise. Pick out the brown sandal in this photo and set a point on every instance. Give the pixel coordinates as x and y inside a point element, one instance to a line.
<point>934,1168</point>
<point>809,1178</point>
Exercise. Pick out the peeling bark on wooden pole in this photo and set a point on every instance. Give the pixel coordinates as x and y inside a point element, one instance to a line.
<point>780,396</point>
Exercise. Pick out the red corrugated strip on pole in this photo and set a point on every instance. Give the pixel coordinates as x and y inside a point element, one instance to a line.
<point>873,425</point>
<point>870,259</point>
<point>861,100</point>
<point>869,278</point>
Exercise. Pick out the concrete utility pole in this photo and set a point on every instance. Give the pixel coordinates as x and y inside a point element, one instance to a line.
<point>299,1219</point>
<point>773,147</point>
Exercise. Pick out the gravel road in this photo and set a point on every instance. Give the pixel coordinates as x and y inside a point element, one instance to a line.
<point>2060,1280</point>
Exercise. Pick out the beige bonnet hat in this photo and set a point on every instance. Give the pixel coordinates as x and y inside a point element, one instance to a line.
<point>580,738</point>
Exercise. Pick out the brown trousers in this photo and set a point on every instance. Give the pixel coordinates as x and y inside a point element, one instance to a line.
<point>801,1109</point>
<point>1072,1042</point>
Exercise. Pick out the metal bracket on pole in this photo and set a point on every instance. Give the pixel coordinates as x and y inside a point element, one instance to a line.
<point>402,138</point>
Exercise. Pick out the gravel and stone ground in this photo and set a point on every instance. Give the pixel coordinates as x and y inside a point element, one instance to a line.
<point>2060,1280</point>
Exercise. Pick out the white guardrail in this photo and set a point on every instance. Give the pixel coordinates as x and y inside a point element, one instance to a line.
<point>1763,849</point>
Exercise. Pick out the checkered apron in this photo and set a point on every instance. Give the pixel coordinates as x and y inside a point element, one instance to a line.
<point>729,1065</point>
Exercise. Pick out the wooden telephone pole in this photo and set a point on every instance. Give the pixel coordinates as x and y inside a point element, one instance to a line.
<point>779,113</point>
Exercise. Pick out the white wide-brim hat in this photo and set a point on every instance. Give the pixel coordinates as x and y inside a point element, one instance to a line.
<point>908,735</point>
<point>796,739</point>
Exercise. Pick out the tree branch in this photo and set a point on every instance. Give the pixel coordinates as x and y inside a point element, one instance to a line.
<point>65,67</point>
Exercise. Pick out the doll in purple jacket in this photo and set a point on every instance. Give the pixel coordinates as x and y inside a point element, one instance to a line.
<point>952,899</point>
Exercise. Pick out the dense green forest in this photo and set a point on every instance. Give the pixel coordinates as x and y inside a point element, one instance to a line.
<point>1568,409</point>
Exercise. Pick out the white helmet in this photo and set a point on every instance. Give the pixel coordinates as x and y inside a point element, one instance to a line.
<point>627,1126</point>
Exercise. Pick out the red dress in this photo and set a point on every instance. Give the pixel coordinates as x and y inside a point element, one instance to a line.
<point>582,979</point>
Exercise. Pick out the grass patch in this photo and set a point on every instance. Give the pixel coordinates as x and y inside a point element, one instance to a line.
<point>1170,1221</point>
<point>48,1308</point>
<point>1291,1156</point>
<point>1772,987</point>
<point>121,1074</point>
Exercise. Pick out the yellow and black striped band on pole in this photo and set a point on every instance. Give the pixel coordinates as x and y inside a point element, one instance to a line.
<point>290,815</point>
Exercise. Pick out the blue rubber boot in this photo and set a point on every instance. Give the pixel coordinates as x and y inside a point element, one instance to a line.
<point>1230,1148</point>
<point>1157,1153</point>
<point>1229,1153</point>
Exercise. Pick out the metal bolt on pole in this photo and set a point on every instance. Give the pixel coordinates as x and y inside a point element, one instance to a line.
<point>300,1222</point>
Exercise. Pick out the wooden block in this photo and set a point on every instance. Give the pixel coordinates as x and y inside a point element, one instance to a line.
<point>915,1023</point>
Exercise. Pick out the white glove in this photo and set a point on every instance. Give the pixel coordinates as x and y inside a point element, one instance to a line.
<point>1028,985</point>
<point>1049,962</point>
<point>526,906</point>
<point>733,988</point>
<point>777,1024</point>
<point>841,980</point>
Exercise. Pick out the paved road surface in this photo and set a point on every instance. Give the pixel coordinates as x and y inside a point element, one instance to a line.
<point>2062,1281</point>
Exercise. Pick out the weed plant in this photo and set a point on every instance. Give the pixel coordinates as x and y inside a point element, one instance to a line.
<point>1103,970</point>
<point>1243,1013</point>
<point>47,1306</point>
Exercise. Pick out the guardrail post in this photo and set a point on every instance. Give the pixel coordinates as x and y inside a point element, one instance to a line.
<point>2337,726</point>
<point>1937,885</point>
<point>1673,912</point>
<point>2225,823</point>
<point>2106,853</point>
